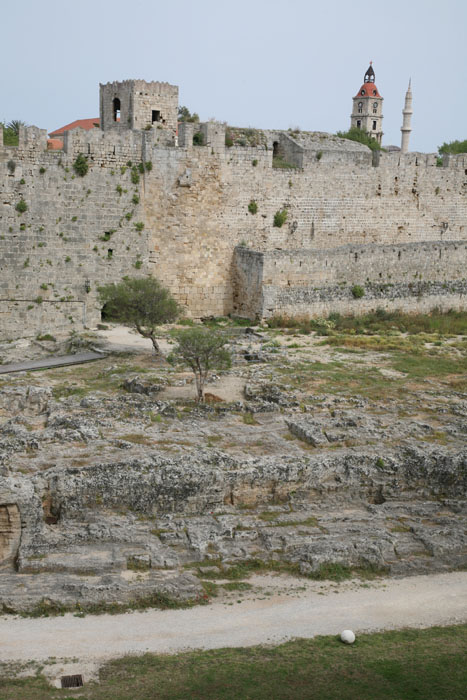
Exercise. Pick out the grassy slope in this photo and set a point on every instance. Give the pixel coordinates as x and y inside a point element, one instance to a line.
<point>403,665</point>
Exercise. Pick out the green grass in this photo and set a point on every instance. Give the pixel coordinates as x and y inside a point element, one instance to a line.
<point>380,321</point>
<point>402,665</point>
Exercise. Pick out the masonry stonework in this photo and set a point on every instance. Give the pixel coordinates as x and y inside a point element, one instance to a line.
<point>152,203</point>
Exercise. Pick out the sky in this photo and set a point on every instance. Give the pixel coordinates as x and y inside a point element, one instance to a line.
<point>257,63</point>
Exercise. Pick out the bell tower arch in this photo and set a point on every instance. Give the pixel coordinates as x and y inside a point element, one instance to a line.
<point>367,112</point>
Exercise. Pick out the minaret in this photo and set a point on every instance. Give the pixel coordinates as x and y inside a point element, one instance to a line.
<point>407,118</point>
<point>367,113</point>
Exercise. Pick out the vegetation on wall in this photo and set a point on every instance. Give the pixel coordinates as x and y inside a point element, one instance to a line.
<point>280,217</point>
<point>81,166</point>
<point>356,134</point>
<point>357,291</point>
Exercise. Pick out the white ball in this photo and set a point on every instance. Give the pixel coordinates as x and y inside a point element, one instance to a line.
<point>348,637</point>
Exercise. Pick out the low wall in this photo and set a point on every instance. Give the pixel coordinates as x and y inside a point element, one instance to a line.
<point>408,277</point>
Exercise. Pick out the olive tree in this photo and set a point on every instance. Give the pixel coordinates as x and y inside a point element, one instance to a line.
<point>202,350</point>
<point>142,303</point>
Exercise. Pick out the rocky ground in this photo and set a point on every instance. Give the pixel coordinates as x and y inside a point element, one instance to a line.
<point>314,459</point>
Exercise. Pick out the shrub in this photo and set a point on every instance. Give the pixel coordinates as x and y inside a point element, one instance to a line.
<point>42,170</point>
<point>198,139</point>
<point>21,207</point>
<point>148,165</point>
<point>139,226</point>
<point>252,207</point>
<point>134,175</point>
<point>141,168</point>
<point>254,162</point>
<point>135,199</point>
<point>319,155</point>
<point>138,264</point>
<point>228,140</point>
<point>280,217</point>
<point>357,291</point>
<point>356,134</point>
<point>81,165</point>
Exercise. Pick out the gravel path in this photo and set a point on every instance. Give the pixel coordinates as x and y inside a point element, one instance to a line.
<point>418,601</point>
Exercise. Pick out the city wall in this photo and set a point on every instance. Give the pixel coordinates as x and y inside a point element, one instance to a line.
<point>184,218</point>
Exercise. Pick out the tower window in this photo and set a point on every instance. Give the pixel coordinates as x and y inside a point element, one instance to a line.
<point>360,107</point>
<point>156,115</point>
<point>375,107</point>
<point>359,124</point>
<point>116,109</point>
<point>374,126</point>
<point>374,93</point>
<point>362,92</point>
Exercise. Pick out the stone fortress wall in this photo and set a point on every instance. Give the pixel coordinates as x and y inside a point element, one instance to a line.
<point>394,224</point>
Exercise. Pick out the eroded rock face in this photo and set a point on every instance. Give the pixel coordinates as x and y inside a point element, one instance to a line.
<point>152,516</point>
<point>10,534</point>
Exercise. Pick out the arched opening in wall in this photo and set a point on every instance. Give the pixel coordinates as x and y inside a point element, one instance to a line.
<point>116,109</point>
<point>105,313</point>
<point>275,149</point>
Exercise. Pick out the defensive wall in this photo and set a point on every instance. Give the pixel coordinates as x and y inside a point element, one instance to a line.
<point>201,219</point>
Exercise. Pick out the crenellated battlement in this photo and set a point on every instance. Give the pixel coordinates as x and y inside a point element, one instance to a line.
<point>197,208</point>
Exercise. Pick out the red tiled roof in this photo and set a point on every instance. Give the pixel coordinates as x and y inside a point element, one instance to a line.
<point>87,124</point>
<point>368,90</point>
<point>54,144</point>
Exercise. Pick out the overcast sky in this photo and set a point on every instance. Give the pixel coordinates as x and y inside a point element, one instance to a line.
<point>259,63</point>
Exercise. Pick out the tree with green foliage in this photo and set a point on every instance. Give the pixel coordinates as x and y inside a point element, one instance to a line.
<point>142,303</point>
<point>184,115</point>
<point>11,132</point>
<point>202,350</point>
<point>356,134</point>
<point>453,147</point>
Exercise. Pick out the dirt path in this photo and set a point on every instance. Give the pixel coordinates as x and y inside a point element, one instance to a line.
<point>418,601</point>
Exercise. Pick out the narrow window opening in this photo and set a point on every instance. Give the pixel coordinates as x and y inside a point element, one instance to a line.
<point>110,253</point>
<point>399,255</point>
<point>356,257</point>
<point>156,115</point>
<point>275,149</point>
<point>359,124</point>
<point>360,107</point>
<point>374,126</point>
<point>116,109</point>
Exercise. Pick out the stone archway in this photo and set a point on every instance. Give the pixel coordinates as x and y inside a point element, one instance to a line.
<point>10,533</point>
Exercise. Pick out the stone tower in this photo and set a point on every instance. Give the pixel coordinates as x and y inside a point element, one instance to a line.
<point>406,127</point>
<point>367,113</point>
<point>136,104</point>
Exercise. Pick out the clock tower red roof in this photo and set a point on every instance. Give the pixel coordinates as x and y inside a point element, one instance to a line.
<point>369,88</point>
